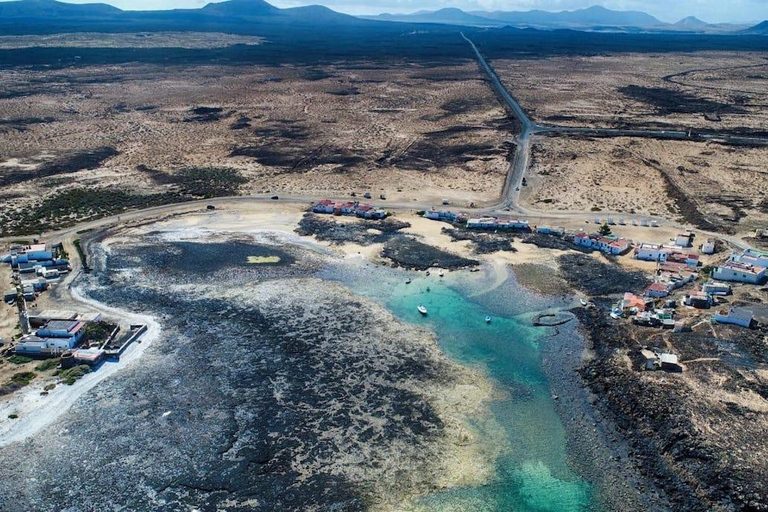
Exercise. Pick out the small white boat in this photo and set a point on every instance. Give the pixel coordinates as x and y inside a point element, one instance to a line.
<point>427,272</point>
<point>408,281</point>
<point>487,319</point>
<point>584,303</point>
<point>441,273</point>
<point>422,310</point>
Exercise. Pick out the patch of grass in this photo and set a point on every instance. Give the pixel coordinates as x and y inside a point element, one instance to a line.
<point>73,205</point>
<point>23,377</point>
<point>17,359</point>
<point>48,364</point>
<point>72,375</point>
<point>49,387</point>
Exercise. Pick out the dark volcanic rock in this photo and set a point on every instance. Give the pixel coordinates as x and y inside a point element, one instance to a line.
<point>261,394</point>
<point>595,278</point>
<point>483,242</point>
<point>408,252</point>
<point>362,232</point>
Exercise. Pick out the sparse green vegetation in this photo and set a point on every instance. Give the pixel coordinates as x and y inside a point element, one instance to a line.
<point>72,375</point>
<point>98,332</point>
<point>17,381</point>
<point>74,205</point>
<point>17,359</point>
<point>49,387</point>
<point>605,230</point>
<point>13,416</point>
<point>48,364</point>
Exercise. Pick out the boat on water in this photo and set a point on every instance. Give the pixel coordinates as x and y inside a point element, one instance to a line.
<point>408,281</point>
<point>422,310</point>
<point>441,273</point>
<point>427,272</point>
<point>487,319</point>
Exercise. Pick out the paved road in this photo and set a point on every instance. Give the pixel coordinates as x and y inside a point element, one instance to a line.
<point>511,194</point>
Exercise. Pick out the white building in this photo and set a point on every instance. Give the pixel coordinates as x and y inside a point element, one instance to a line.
<point>709,246</point>
<point>684,239</point>
<point>739,272</point>
<point>714,288</point>
<point>736,316</point>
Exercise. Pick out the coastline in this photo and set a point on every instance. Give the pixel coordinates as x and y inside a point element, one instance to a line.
<point>37,411</point>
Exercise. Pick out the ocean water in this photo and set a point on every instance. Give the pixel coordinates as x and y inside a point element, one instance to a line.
<point>531,472</point>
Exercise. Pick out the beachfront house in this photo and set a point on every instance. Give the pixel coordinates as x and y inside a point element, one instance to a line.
<point>546,230</point>
<point>324,206</point>
<point>736,316</point>
<point>605,244</point>
<point>739,272</point>
<point>444,215</point>
<point>70,330</point>
<point>709,247</point>
<point>367,211</point>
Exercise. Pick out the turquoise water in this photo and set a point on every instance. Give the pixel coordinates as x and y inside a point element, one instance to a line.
<point>531,473</point>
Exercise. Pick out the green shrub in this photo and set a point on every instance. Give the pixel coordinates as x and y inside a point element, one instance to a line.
<point>72,375</point>
<point>48,364</point>
<point>17,359</point>
<point>49,387</point>
<point>23,378</point>
<point>13,416</point>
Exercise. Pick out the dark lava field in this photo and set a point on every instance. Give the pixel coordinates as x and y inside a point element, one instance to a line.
<point>268,389</point>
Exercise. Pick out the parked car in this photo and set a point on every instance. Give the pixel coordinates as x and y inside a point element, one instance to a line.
<point>210,207</point>
<point>275,198</point>
<point>367,195</point>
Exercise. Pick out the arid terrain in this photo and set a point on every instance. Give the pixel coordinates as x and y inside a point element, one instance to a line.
<point>705,184</point>
<point>703,90</point>
<point>407,131</point>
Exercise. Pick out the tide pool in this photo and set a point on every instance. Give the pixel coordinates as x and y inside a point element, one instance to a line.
<point>531,472</point>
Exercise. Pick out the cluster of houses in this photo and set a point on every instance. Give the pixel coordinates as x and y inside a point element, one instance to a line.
<point>677,268</point>
<point>365,211</point>
<point>35,266</point>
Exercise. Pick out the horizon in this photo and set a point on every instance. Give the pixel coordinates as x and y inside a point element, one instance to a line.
<point>736,12</point>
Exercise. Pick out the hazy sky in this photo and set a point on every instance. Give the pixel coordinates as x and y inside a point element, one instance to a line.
<point>711,11</point>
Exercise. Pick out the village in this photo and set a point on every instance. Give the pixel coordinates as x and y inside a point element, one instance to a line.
<point>690,284</point>
<point>70,343</point>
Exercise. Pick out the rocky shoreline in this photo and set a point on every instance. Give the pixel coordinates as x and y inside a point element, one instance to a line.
<point>653,424</point>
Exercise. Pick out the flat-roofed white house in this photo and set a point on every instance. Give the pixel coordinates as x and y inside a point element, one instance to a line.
<point>736,316</point>
<point>709,246</point>
<point>684,239</point>
<point>739,272</point>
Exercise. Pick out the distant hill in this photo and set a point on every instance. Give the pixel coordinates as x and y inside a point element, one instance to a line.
<point>448,16</point>
<point>594,16</point>
<point>40,9</point>
<point>759,29</point>
<point>52,14</point>
<point>591,17</point>
<point>691,22</point>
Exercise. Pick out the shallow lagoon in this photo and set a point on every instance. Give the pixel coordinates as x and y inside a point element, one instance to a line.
<point>531,472</point>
